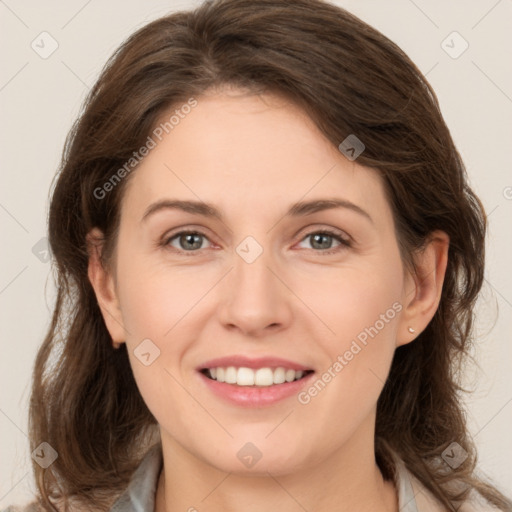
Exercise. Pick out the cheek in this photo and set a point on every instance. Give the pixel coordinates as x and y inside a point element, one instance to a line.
<point>161,304</point>
<point>357,304</point>
<point>149,306</point>
<point>362,308</point>
<point>154,299</point>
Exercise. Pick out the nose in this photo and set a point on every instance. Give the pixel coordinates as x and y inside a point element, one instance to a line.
<point>255,299</point>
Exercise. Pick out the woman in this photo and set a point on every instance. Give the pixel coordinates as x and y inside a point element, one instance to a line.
<point>268,256</point>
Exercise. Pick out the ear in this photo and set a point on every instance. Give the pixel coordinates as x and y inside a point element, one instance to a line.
<point>422,289</point>
<point>103,283</point>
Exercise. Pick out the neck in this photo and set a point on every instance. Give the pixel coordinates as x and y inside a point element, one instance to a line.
<point>349,479</point>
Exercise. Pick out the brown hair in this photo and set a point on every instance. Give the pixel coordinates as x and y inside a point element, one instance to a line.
<point>351,80</point>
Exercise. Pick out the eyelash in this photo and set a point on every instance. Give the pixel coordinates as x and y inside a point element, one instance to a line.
<point>344,243</point>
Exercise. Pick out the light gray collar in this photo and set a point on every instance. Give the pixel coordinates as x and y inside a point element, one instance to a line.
<point>140,494</point>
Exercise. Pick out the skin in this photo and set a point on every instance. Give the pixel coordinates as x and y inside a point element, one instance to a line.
<point>252,157</point>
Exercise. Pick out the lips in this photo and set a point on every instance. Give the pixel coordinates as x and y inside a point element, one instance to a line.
<point>254,382</point>
<point>254,363</point>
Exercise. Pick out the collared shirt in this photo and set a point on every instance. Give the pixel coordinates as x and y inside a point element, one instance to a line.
<point>139,495</point>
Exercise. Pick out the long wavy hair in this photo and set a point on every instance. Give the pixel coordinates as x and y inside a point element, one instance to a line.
<point>350,79</point>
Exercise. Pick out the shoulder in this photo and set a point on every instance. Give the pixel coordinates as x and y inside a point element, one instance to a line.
<point>35,506</point>
<point>413,496</point>
<point>139,492</point>
<point>62,505</point>
<point>426,502</point>
<point>31,507</point>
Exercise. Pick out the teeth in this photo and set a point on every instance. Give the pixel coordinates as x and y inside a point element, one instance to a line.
<point>264,377</point>
<point>249,377</point>
<point>230,375</point>
<point>244,377</point>
<point>290,375</point>
<point>279,375</point>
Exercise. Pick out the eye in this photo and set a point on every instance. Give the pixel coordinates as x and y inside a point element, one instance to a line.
<point>322,241</point>
<point>188,241</point>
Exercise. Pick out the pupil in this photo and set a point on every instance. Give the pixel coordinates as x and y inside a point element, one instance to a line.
<point>325,237</point>
<point>189,238</point>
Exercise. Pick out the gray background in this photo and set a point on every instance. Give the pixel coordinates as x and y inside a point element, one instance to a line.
<point>40,98</point>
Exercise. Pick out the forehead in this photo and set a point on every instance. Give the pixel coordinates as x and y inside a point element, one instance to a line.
<point>248,152</point>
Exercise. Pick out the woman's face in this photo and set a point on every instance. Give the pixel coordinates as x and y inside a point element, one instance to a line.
<point>258,287</point>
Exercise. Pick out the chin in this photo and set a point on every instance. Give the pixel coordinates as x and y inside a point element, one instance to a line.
<point>259,458</point>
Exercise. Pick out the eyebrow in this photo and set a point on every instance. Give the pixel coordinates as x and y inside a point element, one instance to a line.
<point>300,209</point>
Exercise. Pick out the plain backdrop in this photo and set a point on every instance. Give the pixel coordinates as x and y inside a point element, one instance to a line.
<point>40,98</point>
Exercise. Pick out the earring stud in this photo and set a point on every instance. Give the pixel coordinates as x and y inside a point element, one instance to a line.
<point>411,330</point>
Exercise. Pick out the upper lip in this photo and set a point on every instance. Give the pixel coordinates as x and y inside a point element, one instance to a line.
<point>239,361</point>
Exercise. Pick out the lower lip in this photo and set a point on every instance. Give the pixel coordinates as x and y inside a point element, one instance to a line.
<point>255,396</point>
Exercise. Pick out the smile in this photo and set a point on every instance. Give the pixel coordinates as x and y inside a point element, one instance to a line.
<point>257,382</point>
